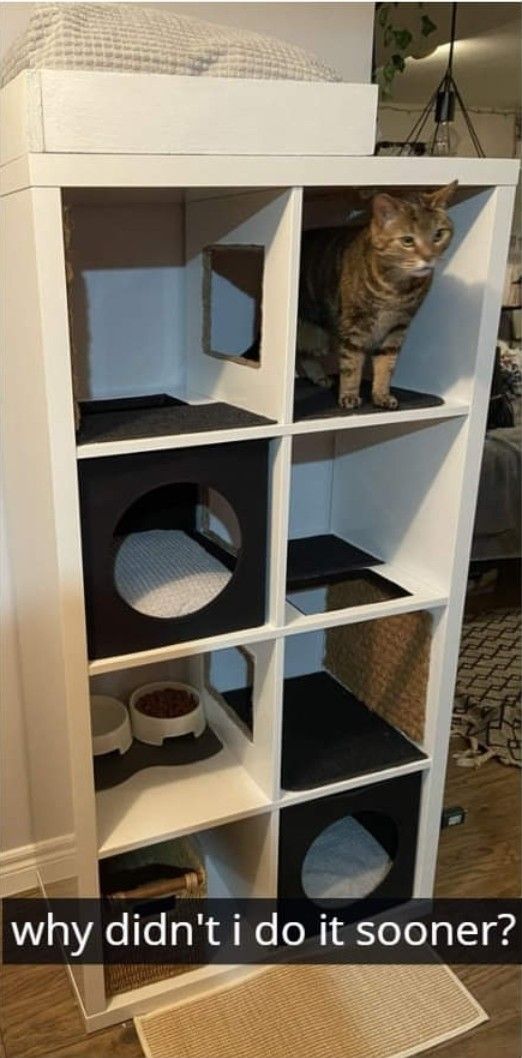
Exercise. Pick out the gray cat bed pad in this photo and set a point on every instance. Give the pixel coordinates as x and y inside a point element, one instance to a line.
<point>131,418</point>
<point>166,573</point>
<point>345,862</point>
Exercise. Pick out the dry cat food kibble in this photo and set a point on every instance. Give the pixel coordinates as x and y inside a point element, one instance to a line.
<point>166,703</point>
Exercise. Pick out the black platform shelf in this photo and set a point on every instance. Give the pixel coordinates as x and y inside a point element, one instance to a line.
<point>132,418</point>
<point>111,769</point>
<point>329,735</point>
<point>324,559</point>
<point>315,402</point>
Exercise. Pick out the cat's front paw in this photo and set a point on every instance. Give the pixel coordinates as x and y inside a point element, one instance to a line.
<point>350,402</point>
<point>385,400</point>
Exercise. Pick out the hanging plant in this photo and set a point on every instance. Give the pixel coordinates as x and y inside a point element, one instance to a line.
<point>398,42</point>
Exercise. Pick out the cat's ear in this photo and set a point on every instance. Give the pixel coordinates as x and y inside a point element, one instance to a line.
<point>385,209</point>
<point>442,196</point>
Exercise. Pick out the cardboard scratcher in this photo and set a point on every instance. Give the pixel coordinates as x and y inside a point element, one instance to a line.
<point>142,880</point>
<point>384,662</point>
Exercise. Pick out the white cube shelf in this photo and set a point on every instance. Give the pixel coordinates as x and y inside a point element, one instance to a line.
<point>400,486</point>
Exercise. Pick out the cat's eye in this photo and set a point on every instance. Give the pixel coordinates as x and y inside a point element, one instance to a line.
<point>407,240</point>
<point>438,234</point>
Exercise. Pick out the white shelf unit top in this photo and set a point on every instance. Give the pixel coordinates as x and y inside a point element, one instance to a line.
<point>187,170</point>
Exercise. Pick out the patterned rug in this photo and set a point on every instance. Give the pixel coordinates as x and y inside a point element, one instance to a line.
<point>487,708</point>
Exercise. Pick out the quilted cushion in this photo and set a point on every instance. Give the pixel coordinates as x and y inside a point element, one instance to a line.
<point>129,38</point>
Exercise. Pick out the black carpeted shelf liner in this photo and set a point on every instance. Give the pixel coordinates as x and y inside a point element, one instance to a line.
<point>240,701</point>
<point>329,735</point>
<point>132,418</point>
<point>323,559</point>
<point>111,769</point>
<point>314,402</point>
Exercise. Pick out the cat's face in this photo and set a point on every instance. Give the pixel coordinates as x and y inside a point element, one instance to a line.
<point>410,234</point>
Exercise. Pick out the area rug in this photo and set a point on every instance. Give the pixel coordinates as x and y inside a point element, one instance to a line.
<point>317,1012</point>
<point>487,708</point>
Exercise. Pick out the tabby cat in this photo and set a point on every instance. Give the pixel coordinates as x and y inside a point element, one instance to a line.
<point>360,289</point>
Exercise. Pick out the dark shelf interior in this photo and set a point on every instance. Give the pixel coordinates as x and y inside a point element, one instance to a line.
<point>329,735</point>
<point>315,402</point>
<point>111,769</point>
<point>324,559</point>
<point>132,418</point>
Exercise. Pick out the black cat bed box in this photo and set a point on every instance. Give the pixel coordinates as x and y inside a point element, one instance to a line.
<point>353,846</point>
<point>152,575</point>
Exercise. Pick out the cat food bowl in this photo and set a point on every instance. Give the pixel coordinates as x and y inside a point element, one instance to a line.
<point>165,710</point>
<point>110,725</point>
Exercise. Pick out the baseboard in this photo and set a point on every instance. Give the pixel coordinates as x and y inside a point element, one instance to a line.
<point>53,859</point>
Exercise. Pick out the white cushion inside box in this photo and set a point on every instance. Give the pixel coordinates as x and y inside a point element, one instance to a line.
<point>165,573</point>
<point>345,862</point>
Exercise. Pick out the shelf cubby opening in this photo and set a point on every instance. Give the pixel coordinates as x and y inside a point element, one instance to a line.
<point>172,297</point>
<point>365,515</point>
<point>230,861</point>
<point>173,548</point>
<point>343,849</point>
<point>354,700</point>
<point>436,363</point>
<point>153,791</point>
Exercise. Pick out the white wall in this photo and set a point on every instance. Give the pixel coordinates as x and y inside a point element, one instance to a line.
<point>340,34</point>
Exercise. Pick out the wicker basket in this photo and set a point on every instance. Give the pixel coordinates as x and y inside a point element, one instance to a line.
<point>384,662</point>
<point>173,869</point>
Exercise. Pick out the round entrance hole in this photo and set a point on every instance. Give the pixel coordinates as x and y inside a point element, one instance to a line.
<point>176,550</point>
<point>349,859</point>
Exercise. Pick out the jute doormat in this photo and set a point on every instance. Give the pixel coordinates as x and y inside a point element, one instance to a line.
<point>317,1012</point>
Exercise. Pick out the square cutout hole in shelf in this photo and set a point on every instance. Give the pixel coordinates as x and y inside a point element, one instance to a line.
<point>371,682</point>
<point>232,302</point>
<point>167,292</point>
<point>229,677</point>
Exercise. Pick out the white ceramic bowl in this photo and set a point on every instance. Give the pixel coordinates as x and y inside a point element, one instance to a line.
<point>110,725</point>
<point>154,729</point>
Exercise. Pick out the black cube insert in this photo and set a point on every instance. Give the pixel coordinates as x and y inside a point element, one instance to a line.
<point>388,812</point>
<point>154,493</point>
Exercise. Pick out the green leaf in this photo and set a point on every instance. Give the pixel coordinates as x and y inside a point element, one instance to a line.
<point>382,16</point>
<point>388,36</point>
<point>398,62</point>
<point>427,26</point>
<point>388,72</point>
<point>403,37</point>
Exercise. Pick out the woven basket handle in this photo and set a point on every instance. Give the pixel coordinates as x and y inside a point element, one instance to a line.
<point>189,882</point>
